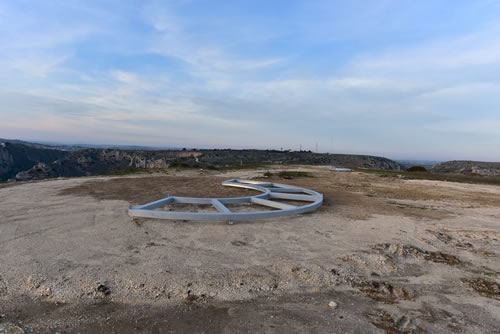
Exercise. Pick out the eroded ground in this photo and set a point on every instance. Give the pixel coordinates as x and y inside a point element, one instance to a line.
<point>397,256</point>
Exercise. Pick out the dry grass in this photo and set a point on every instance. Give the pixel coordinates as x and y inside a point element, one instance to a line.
<point>348,202</point>
<point>352,195</point>
<point>147,189</point>
<point>484,287</point>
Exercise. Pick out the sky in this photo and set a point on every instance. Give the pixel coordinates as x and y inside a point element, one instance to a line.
<point>399,78</point>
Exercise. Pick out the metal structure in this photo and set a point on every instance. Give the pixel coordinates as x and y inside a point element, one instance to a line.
<point>270,193</point>
<point>341,169</point>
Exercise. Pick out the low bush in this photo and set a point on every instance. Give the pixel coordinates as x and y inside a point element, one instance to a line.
<point>416,169</point>
<point>128,171</point>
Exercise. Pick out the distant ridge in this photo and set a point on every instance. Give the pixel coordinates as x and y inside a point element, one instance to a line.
<point>25,161</point>
<point>32,144</point>
<point>83,146</point>
<point>468,167</point>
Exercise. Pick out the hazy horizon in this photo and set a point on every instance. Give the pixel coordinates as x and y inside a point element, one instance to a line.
<point>400,79</point>
<point>409,157</point>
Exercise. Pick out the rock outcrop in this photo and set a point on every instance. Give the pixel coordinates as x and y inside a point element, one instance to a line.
<point>15,158</point>
<point>88,162</point>
<point>38,172</point>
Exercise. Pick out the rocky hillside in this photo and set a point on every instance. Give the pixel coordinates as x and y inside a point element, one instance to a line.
<point>468,167</point>
<point>25,162</point>
<point>88,162</point>
<point>15,158</point>
<point>244,157</point>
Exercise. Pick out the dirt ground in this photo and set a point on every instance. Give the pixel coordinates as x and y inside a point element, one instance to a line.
<point>394,255</point>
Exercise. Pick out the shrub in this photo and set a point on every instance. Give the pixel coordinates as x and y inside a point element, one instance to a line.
<point>212,167</point>
<point>416,169</point>
<point>128,171</point>
<point>268,174</point>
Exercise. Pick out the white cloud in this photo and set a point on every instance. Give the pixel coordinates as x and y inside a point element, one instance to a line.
<point>207,59</point>
<point>36,65</point>
<point>461,91</point>
<point>124,77</point>
<point>483,127</point>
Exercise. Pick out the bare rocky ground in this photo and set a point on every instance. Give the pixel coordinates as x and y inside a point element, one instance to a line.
<point>395,255</point>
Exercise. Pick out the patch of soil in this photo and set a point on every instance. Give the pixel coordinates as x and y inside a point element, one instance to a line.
<point>357,202</point>
<point>440,257</point>
<point>408,250</point>
<point>476,235</point>
<point>147,189</point>
<point>483,253</point>
<point>385,292</point>
<point>484,287</point>
<point>354,205</point>
<point>446,238</point>
<point>189,207</point>
<point>297,313</point>
<point>112,317</point>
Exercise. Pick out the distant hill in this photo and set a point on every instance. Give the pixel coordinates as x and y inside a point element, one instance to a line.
<point>468,167</point>
<point>26,161</point>
<point>35,145</point>
<point>72,147</point>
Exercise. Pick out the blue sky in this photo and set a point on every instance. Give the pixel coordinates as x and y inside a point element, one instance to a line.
<point>403,79</point>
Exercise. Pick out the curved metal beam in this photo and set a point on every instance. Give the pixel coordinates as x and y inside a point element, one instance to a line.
<point>269,191</point>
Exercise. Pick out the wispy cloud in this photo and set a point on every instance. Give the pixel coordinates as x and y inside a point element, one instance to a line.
<point>476,48</point>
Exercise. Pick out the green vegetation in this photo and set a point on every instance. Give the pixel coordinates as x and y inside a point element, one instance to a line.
<point>478,179</point>
<point>215,167</point>
<point>244,166</point>
<point>129,171</point>
<point>176,164</point>
<point>491,274</point>
<point>416,169</point>
<point>268,174</point>
<point>288,174</point>
<point>233,167</point>
<point>14,330</point>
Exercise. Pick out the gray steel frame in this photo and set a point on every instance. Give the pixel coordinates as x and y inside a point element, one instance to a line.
<point>269,191</point>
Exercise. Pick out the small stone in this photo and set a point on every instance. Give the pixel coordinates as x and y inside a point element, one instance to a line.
<point>103,289</point>
<point>332,305</point>
<point>46,292</point>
